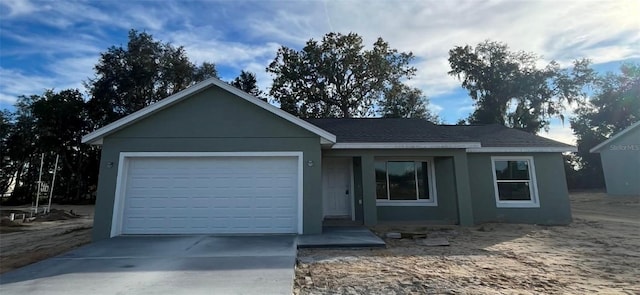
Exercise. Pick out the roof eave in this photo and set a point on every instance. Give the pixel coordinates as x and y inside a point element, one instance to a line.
<point>405,145</point>
<point>97,135</point>
<point>532,149</point>
<point>269,107</point>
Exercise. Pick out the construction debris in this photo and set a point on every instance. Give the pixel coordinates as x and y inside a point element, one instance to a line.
<point>433,242</point>
<point>394,235</point>
<point>405,235</point>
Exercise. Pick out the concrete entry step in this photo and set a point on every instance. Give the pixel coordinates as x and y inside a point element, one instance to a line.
<point>341,237</point>
<point>341,222</point>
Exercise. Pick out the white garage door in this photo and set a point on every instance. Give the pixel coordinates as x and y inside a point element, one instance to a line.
<point>217,195</point>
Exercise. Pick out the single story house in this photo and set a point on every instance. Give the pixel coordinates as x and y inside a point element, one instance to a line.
<point>213,159</point>
<point>620,157</point>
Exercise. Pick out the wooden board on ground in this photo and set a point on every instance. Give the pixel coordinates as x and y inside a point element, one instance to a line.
<point>433,242</point>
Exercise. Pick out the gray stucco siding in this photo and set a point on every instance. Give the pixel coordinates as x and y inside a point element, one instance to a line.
<point>621,164</point>
<point>215,113</point>
<point>445,212</point>
<point>211,121</point>
<point>357,188</point>
<point>551,186</point>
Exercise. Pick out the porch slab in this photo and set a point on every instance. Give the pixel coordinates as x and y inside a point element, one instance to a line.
<point>341,237</point>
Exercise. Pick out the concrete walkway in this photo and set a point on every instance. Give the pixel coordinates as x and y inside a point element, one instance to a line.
<point>163,265</point>
<point>341,237</point>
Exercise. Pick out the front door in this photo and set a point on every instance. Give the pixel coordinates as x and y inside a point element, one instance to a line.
<point>336,187</point>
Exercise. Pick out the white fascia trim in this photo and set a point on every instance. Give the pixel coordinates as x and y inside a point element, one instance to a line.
<point>209,154</point>
<point>118,200</point>
<point>277,111</point>
<point>324,141</point>
<point>121,178</point>
<point>406,145</point>
<point>597,148</point>
<point>517,204</point>
<point>522,150</point>
<point>95,137</point>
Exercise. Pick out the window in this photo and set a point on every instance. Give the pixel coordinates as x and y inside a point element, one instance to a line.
<point>401,183</point>
<point>514,182</point>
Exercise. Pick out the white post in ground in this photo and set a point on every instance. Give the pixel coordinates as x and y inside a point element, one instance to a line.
<point>53,181</point>
<point>39,181</point>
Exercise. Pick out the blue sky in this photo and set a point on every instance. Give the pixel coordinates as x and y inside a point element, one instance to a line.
<point>55,44</point>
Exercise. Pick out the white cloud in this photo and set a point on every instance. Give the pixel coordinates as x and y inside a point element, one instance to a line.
<point>291,24</point>
<point>7,99</point>
<point>464,111</point>
<point>19,7</point>
<point>263,78</point>
<point>534,26</point>
<point>559,132</point>
<point>245,35</point>
<point>73,71</point>
<point>48,46</point>
<point>435,108</point>
<point>563,30</point>
<point>15,83</point>
<point>62,74</point>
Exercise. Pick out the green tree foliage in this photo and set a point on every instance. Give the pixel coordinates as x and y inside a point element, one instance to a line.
<point>336,77</point>
<point>53,124</point>
<point>20,149</point>
<point>6,169</point>
<point>614,106</point>
<point>146,71</point>
<point>248,83</point>
<point>53,110</point>
<point>402,101</point>
<point>126,80</point>
<point>509,88</point>
<point>77,168</point>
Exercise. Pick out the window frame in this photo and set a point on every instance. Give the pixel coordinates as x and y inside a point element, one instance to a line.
<point>431,178</point>
<point>534,202</point>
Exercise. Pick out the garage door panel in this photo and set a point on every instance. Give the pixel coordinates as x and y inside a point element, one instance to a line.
<point>211,195</point>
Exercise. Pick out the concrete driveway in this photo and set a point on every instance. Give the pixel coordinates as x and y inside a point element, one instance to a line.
<point>163,265</point>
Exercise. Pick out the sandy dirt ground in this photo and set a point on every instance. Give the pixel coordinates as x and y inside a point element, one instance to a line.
<point>599,253</point>
<point>26,243</point>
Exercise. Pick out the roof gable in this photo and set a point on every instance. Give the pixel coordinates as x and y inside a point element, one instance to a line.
<point>97,136</point>
<point>598,148</point>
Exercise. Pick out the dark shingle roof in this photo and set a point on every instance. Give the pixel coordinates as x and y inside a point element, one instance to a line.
<point>419,130</point>
<point>500,136</point>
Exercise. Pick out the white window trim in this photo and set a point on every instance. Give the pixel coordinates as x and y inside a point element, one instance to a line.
<point>533,184</point>
<point>123,168</point>
<point>431,202</point>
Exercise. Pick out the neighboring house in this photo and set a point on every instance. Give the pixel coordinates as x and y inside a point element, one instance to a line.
<point>213,159</point>
<point>620,157</point>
